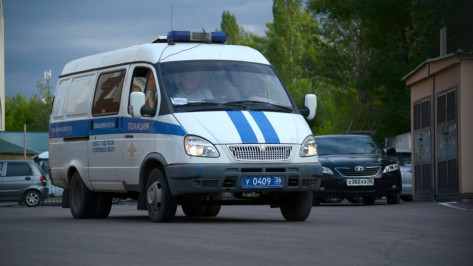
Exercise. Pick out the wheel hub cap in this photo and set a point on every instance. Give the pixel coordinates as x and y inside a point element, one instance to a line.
<point>154,194</point>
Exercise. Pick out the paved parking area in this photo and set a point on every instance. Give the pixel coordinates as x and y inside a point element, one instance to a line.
<point>413,233</point>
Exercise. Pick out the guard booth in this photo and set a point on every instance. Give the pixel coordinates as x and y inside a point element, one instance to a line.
<point>442,127</point>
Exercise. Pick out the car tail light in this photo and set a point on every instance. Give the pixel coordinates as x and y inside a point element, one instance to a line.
<point>43,179</point>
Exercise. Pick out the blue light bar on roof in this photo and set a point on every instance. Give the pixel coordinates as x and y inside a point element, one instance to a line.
<point>188,36</point>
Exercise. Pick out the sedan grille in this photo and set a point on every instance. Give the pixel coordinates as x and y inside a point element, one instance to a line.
<point>260,152</point>
<point>366,172</point>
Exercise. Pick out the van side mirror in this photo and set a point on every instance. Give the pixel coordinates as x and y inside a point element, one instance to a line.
<point>310,106</point>
<point>137,100</point>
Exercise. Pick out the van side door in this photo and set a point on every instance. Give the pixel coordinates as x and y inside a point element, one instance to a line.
<point>104,145</point>
<point>140,135</point>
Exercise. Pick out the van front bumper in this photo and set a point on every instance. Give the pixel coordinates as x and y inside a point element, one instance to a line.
<point>217,178</point>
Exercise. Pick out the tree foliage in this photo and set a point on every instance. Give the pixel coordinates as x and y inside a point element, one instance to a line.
<point>34,112</point>
<point>351,53</point>
<point>354,53</point>
<point>376,43</point>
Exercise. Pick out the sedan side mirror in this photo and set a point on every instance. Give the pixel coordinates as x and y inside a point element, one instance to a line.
<point>390,151</point>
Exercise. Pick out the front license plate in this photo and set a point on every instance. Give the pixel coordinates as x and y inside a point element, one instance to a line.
<point>262,182</point>
<point>360,182</point>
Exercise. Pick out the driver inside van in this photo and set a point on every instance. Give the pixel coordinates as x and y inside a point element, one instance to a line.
<point>192,89</point>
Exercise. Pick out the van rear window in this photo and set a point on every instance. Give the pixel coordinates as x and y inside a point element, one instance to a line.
<point>77,99</point>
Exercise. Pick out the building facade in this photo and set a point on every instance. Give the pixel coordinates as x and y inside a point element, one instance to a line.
<point>442,127</point>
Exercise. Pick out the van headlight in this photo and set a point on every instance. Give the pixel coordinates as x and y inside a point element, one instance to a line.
<point>197,146</point>
<point>308,147</point>
<point>391,168</point>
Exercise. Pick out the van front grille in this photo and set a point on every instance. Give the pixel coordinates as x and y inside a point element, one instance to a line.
<point>260,152</point>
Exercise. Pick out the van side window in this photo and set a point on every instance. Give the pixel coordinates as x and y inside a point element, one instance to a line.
<point>77,99</point>
<point>144,81</point>
<point>58,103</point>
<point>108,93</point>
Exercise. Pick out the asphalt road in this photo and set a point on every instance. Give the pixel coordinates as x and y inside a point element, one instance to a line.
<point>414,233</point>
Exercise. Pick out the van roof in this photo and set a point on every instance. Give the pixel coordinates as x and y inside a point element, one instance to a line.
<point>163,52</point>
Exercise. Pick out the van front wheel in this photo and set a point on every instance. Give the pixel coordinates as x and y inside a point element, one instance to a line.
<point>160,203</point>
<point>297,206</point>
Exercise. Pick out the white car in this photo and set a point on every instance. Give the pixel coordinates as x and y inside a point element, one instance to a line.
<point>404,158</point>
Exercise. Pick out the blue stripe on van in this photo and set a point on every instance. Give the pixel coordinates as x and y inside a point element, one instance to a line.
<point>112,125</point>
<point>244,129</point>
<point>269,134</point>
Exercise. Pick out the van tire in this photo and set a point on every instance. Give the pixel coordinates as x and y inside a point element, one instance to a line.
<point>212,210</point>
<point>160,203</point>
<point>103,206</point>
<point>81,199</point>
<point>193,210</point>
<point>297,206</point>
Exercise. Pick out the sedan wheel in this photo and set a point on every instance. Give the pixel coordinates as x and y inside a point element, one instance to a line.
<point>32,198</point>
<point>369,200</point>
<point>393,199</point>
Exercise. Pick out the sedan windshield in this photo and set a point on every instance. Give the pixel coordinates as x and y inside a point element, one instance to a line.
<point>224,85</point>
<point>347,145</point>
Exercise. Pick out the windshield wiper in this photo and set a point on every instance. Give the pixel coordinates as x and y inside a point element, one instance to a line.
<point>256,106</point>
<point>205,106</point>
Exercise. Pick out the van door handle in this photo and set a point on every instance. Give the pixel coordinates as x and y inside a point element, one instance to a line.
<point>28,178</point>
<point>128,136</point>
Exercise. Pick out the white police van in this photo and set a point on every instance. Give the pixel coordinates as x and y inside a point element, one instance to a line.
<point>186,120</point>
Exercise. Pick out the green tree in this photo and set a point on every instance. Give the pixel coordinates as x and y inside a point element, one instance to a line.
<point>34,112</point>
<point>373,44</point>
<point>230,26</point>
<point>16,113</point>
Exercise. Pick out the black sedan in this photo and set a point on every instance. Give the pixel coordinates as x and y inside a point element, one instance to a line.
<point>356,168</point>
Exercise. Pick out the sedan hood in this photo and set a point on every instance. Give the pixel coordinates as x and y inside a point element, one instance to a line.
<point>353,159</point>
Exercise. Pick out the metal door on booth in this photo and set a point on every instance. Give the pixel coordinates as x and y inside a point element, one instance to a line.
<point>447,144</point>
<point>422,150</point>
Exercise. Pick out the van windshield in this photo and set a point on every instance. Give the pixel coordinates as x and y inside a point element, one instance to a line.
<point>224,85</point>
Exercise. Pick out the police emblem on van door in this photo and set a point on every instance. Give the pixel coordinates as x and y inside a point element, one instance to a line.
<point>359,168</point>
<point>132,151</point>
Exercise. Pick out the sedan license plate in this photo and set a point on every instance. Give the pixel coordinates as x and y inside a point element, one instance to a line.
<point>360,182</point>
<point>262,182</point>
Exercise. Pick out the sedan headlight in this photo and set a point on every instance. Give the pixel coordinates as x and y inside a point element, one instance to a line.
<point>391,168</point>
<point>197,146</point>
<point>309,147</point>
